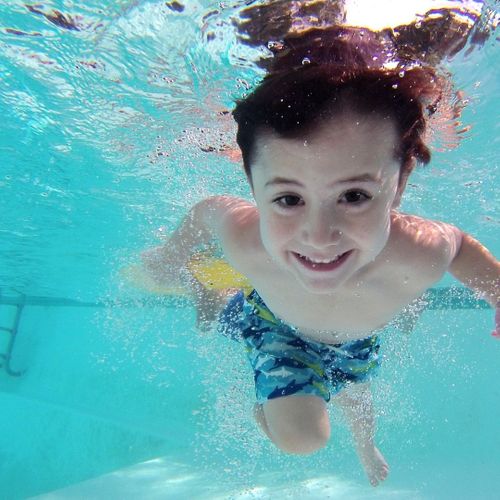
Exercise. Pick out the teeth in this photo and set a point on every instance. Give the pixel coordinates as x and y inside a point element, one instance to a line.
<point>320,261</point>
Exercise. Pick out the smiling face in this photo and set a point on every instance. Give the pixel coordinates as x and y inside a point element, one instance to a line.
<point>325,201</point>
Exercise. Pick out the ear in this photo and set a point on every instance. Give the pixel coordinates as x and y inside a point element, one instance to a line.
<point>403,179</point>
<point>404,174</point>
<point>399,192</point>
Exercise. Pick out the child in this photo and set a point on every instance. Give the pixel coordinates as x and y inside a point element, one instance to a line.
<point>327,150</point>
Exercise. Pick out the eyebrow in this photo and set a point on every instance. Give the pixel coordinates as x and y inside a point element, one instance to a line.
<point>291,182</point>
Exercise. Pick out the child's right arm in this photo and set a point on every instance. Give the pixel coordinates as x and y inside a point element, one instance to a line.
<point>208,220</point>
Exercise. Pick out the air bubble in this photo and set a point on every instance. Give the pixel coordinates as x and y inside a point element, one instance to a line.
<point>306,61</point>
<point>401,74</point>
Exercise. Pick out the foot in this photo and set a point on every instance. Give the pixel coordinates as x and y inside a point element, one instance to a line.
<point>374,463</point>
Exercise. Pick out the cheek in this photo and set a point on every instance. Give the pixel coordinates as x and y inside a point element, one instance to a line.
<point>373,226</point>
<point>275,230</point>
<point>379,232</point>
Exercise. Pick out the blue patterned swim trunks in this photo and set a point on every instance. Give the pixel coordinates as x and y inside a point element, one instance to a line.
<point>286,364</point>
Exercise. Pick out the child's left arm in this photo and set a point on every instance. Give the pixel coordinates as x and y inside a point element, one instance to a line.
<point>478,269</point>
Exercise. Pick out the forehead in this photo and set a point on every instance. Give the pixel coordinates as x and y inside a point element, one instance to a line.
<point>345,142</point>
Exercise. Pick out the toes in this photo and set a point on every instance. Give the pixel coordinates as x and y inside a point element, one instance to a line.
<point>376,467</point>
<point>384,472</point>
<point>379,476</point>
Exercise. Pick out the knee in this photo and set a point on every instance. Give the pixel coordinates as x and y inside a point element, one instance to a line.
<point>301,441</point>
<point>298,425</point>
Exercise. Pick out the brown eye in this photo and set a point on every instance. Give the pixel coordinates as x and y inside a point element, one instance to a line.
<point>355,197</point>
<point>288,200</point>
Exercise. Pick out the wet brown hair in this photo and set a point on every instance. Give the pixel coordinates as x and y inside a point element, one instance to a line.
<point>314,79</point>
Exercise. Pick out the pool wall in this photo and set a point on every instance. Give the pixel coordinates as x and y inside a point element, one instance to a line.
<point>86,403</point>
<point>105,388</point>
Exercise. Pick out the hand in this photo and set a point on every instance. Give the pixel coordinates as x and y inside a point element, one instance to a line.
<point>208,303</point>
<point>496,332</point>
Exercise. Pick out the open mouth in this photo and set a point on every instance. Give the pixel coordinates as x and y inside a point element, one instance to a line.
<point>322,264</point>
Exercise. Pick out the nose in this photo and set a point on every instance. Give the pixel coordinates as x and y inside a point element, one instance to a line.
<point>320,229</point>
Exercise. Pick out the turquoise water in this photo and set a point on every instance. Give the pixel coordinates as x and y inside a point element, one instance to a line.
<point>112,129</point>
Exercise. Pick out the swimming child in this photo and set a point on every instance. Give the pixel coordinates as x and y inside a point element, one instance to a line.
<point>327,149</point>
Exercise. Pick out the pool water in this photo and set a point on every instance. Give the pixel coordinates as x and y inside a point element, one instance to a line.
<point>114,126</point>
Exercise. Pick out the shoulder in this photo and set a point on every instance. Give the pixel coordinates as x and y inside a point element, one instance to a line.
<point>432,243</point>
<point>229,214</point>
<point>235,222</point>
<point>219,212</point>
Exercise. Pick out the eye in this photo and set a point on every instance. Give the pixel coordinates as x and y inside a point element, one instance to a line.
<point>289,200</point>
<point>355,197</point>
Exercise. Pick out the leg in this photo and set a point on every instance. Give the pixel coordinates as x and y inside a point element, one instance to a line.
<point>356,403</point>
<point>295,424</point>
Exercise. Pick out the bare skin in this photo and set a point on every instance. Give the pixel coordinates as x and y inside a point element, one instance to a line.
<point>208,303</point>
<point>328,251</point>
<point>356,404</point>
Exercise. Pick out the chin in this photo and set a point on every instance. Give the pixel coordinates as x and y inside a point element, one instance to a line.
<point>320,286</point>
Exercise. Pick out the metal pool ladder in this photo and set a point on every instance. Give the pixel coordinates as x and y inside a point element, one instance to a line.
<point>5,358</point>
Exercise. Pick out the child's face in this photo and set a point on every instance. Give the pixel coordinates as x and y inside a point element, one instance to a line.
<point>325,202</point>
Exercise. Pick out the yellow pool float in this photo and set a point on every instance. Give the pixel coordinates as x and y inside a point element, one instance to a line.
<point>212,272</point>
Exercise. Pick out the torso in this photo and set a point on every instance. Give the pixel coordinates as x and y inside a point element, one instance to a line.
<point>408,265</point>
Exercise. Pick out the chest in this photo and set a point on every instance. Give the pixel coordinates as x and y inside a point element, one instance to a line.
<point>349,314</point>
<point>370,298</point>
